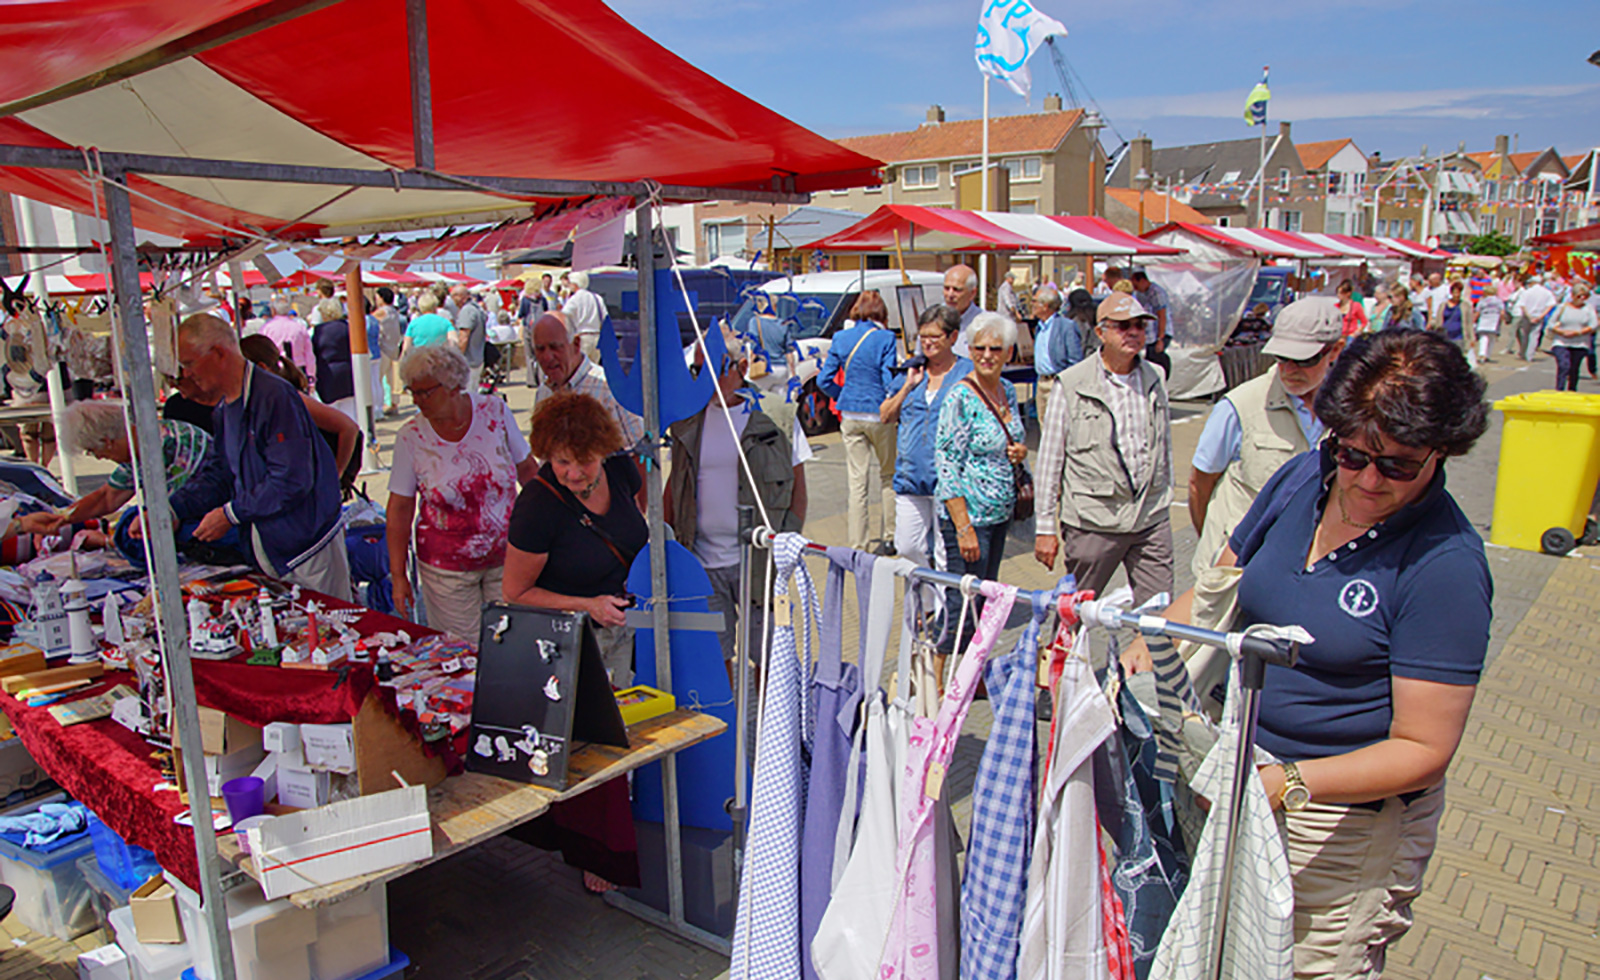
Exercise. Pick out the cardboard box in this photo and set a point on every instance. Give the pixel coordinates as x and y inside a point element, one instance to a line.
<point>302,788</point>
<point>342,840</point>
<point>155,912</point>
<point>281,736</point>
<point>105,963</point>
<point>350,947</point>
<point>222,734</point>
<point>330,747</point>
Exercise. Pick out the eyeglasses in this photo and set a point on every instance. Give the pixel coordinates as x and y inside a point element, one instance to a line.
<point>424,392</point>
<point>985,348</point>
<point>1123,325</point>
<point>1309,362</point>
<point>1398,468</point>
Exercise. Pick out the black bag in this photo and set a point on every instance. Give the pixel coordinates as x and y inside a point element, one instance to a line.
<point>1021,479</point>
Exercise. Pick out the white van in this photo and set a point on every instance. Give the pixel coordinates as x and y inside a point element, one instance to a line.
<point>796,317</point>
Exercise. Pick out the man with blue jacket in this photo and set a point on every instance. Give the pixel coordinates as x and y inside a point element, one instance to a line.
<point>271,473</point>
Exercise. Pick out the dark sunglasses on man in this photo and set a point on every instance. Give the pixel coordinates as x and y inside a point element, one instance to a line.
<point>1398,468</point>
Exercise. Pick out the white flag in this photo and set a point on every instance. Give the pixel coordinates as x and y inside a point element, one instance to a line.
<point>1008,32</point>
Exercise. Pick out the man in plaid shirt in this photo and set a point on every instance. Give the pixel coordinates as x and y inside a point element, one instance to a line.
<point>1105,462</point>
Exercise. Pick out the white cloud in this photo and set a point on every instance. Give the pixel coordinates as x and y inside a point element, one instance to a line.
<point>1456,103</point>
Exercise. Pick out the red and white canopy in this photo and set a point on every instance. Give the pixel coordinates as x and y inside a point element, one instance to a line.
<point>1352,246</point>
<point>1263,242</point>
<point>1587,237</point>
<point>922,229</point>
<point>1411,249</point>
<point>600,102</point>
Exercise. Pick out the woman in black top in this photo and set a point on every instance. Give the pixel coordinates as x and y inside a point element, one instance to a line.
<point>574,533</point>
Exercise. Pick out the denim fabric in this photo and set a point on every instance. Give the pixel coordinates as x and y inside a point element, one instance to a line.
<point>868,380</point>
<point>991,548</point>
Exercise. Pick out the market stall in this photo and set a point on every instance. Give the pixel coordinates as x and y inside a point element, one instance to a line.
<point>331,153</point>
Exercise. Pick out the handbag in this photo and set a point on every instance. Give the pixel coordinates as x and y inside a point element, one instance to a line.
<point>1021,479</point>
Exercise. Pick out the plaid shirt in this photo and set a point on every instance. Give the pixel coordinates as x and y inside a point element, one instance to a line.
<point>1132,422</point>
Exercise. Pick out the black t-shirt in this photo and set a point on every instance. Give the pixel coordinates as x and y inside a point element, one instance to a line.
<point>580,564</point>
<point>181,409</point>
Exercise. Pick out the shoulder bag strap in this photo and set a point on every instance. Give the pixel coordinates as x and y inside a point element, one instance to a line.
<point>989,405</point>
<point>857,347</point>
<point>584,518</point>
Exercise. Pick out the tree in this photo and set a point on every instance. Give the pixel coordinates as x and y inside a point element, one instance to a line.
<point>1491,243</point>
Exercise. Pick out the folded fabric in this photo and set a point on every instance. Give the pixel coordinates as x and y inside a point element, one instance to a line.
<point>49,823</point>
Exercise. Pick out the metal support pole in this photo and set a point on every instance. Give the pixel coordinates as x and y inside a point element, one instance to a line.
<point>983,199</point>
<point>141,394</point>
<point>421,84</point>
<point>741,695</point>
<point>41,356</point>
<point>239,291</point>
<point>1252,671</point>
<point>649,383</point>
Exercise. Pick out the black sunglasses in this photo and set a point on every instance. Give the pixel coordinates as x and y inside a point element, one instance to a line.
<point>1397,468</point>
<point>1309,362</point>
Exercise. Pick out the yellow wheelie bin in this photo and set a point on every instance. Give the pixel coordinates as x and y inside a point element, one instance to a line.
<point>1549,467</point>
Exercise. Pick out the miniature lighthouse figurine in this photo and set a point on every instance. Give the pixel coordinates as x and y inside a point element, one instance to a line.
<point>111,616</point>
<point>48,616</point>
<point>269,626</point>
<point>80,635</point>
<point>199,615</point>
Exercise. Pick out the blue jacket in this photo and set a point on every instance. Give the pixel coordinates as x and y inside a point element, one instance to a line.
<point>916,472</point>
<point>268,468</point>
<point>871,375</point>
<point>1057,347</point>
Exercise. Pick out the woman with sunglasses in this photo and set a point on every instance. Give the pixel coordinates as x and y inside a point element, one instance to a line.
<point>1359,542</point>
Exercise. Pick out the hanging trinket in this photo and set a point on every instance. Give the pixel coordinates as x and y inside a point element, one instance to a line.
<point>552,688</point>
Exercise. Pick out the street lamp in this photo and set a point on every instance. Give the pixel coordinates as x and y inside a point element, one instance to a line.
<point>1142,181</point>
<point>1092,123</point>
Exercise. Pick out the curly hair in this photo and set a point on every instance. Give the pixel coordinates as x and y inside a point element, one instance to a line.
<point>573,423</point>
<point>1411,386</point>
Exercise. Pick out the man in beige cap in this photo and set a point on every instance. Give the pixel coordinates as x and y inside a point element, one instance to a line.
<point>1105,462</point>
<point>1262,424</point>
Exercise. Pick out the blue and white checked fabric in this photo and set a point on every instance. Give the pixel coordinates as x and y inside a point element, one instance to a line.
<point>995,888</point>
<point>766,935</point>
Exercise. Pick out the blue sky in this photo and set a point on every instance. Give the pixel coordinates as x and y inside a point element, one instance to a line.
<point>1392,74</point>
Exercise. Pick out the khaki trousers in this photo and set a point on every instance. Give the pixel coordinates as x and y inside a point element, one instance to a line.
<point>454,600</point>
<point>868,446</point>
<point>1356,872</point>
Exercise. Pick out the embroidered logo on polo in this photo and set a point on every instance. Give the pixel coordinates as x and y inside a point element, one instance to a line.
<point>1359,598</point>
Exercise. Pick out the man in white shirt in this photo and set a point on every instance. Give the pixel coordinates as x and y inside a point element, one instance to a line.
<point>565,368</point>
<point>1532,307</point>
<point>585,312</point>
<point>961,295</point>
<point>1435,295</point>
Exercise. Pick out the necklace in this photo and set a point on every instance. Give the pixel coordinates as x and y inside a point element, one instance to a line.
<point>1344,513</point>
<point>594,485</point>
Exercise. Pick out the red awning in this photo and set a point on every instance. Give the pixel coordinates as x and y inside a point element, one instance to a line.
<point>613,105</point>
<point>915,228</point>
<point>1411,249</point>
<point>1587,237</point>
<point>397,278</point>
<point>1246,241</point>
<point>96,282</point>
<point>1352,246</point>
<point>306,277</point>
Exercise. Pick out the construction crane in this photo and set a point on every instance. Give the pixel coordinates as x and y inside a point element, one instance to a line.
<point>1071,83</point>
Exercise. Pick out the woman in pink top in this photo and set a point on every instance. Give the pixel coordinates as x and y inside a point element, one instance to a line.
<point>456,472</point>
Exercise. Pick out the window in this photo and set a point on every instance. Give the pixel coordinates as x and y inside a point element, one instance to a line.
<point>1383,227</point>
<point>1289,220</point>
<point>1409,228</point>
<point>1358,182</point>
<point>962,166</point>
<point>1222,221</point>
<point>1491,191</point>
<point>1025,168</point>
<point>874,189</point>
<point>1335,223</point>
<point>1335,182</point>
<point>917,177</point>
<point>1230,176</point>
<point>1283,180</point>
<point>723,238</point>
<point>1024,207</point>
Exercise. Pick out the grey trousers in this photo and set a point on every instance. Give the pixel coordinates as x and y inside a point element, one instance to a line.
<point>1092,558</point>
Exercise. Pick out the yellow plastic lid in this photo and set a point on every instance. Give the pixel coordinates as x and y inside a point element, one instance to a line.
<point>1551,402</point>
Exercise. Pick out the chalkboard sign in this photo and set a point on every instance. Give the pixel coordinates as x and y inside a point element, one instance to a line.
<point>541,687</point>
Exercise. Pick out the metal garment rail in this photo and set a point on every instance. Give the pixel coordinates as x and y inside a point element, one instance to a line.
<point>1253,651</point>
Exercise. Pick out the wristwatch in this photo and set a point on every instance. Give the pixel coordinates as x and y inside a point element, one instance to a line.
<point>1296,795</point>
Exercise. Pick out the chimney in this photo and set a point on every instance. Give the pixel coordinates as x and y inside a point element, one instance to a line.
<point>935,114</point>
<point>1052,103</point>
<point>1140,157</point>
<point>1283,130</point>
<point>1502,144</point>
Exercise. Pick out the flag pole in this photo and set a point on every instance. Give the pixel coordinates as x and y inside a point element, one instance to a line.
<point>1261,182</point>
<point>983,198</point>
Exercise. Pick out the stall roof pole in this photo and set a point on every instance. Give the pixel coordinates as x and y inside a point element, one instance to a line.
<point>139,377</point>
<point>71,158</point>
<point>51,370</point>
<point>421,84</point>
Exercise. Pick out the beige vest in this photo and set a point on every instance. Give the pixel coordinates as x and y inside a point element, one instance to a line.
<point>1271,437</point>
<point>1095,492</point>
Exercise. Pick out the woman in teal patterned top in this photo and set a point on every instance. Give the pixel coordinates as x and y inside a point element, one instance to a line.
<point>975,452</point>
<point>100,429</point>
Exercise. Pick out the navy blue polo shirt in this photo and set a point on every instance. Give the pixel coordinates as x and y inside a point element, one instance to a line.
<point>1409,598</point>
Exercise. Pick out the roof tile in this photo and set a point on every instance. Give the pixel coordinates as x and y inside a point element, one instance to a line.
<point>1157,203</point>
<point>1314,155</point>
<point>1039,132</point>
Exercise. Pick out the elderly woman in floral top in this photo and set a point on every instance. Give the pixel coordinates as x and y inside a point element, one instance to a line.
<point>979,438</point>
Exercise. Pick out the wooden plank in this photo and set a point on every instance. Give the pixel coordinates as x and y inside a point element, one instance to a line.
<point>471,808</point>
<point>51,677</point>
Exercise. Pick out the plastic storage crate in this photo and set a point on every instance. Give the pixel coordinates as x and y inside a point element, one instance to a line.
<point>155,961</point>
<point>398,962</point>
<point>127,866</point>
<point>344,941</point>
<point>52,896</point>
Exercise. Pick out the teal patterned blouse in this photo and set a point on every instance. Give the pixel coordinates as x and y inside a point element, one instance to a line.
<point>971,452</point>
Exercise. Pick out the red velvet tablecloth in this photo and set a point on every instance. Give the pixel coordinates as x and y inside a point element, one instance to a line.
<point>111,771</point>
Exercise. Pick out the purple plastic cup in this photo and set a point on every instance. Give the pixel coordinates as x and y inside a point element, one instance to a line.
<point>246,797</point>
